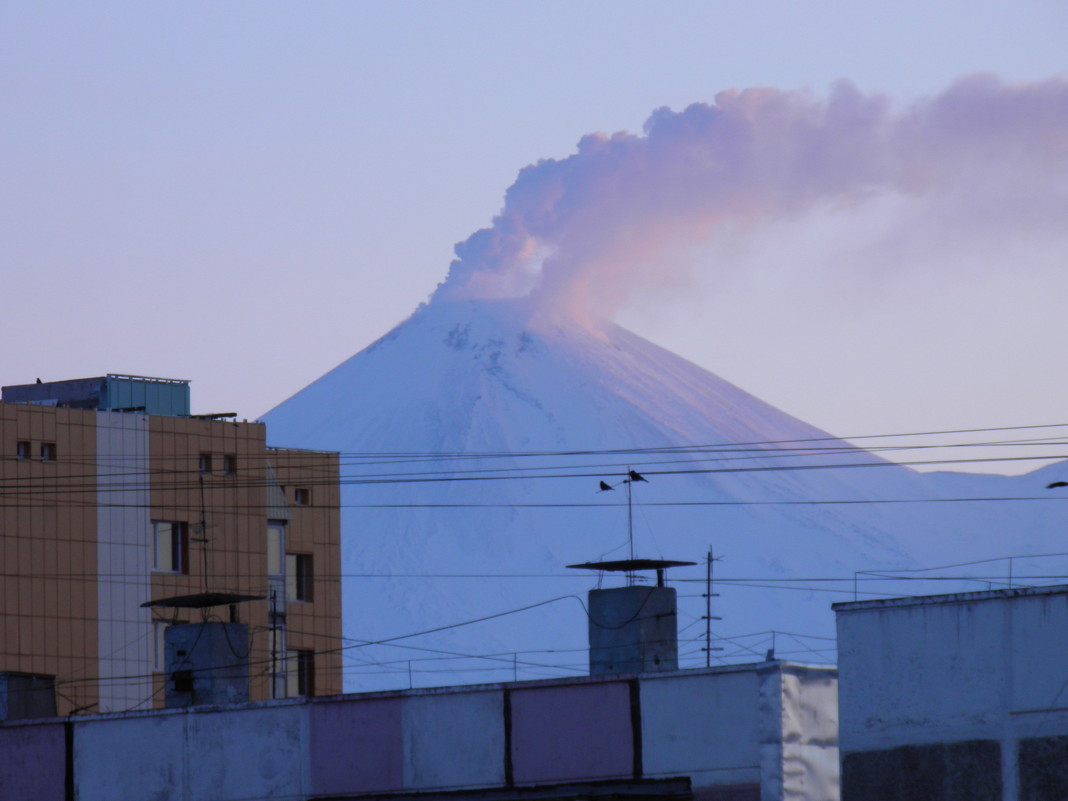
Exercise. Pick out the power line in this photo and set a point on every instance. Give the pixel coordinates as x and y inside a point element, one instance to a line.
<point>253,509</point>
<point>756,449</point>
<point>356,644</point>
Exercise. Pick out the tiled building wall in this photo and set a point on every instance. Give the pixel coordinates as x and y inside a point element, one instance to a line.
<point>308,480</point>
<point>228,552</point>
<point>48,608</point>
<point>76,546</point>
<point>231,497</point>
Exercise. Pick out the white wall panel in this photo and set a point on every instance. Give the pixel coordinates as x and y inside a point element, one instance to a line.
<point>257,753</point>
<point>124,558</point>
<point>453,740</point>
<point>706,726</point>
<point>135,759</point>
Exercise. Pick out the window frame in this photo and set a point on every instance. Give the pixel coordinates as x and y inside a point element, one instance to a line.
<point>300,673</point>
<point>276,549</point>
<point>178,547</point>
<point>299,577</point>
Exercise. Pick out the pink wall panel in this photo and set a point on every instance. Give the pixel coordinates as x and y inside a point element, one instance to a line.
<point>32,760</point>
<point>356,746</point>
<point>572,732</point>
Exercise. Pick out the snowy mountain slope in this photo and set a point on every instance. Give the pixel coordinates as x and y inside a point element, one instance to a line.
<point>474,437</point>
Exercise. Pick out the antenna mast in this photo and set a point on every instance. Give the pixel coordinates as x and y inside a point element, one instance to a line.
<point>708,611</point>
<point>630,523</point>
<point>709,595</point>
<point>632,476</point>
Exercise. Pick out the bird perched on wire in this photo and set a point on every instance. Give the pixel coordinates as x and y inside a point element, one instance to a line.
<point>605,487</point>
<point>1056,484</point>
<point>634,476</point>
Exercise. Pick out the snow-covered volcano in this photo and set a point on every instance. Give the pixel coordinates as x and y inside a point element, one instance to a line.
<point>474,437</point>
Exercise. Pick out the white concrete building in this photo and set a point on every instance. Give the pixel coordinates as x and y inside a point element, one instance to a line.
<point>961,696</point>
<point>761,732</point>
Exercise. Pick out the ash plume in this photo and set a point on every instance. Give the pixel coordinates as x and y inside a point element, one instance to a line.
<point>621,214</point>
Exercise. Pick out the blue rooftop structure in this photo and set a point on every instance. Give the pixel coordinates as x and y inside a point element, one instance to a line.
<point>113,392</point>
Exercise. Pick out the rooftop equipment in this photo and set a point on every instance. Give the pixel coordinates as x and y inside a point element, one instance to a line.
<point>26,695</point>
<point>633,629</point>
<point>205,663</point>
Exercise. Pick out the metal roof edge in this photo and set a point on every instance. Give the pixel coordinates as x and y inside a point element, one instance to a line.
<point>950,598</point>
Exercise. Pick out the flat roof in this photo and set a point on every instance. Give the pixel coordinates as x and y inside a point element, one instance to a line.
<point>950,598</point>
<point>153,379</point>
<point>118,376</point>
<point>295,450</point>
<point>782,665</point>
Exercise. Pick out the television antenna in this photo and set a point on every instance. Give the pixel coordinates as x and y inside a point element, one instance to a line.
<point>632,478</point>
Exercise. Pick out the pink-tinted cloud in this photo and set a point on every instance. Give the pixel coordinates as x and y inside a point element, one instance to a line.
<point>589,230</point>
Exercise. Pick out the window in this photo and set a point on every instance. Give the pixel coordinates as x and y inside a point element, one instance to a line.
<point>300,673</point>
<point>170,543</point>
<point>298,577</point>
<point>275,548</point>
<point>230,465</point>
<point>48,451</point>
<point>22,450</point>
<point>205,463</point>
<point>159,640</point>
<point>302,496</point>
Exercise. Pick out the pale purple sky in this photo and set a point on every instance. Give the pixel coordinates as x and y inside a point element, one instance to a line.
<point>245,194</point>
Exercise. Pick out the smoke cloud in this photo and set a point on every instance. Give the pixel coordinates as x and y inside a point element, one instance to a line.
<point>620,215</point>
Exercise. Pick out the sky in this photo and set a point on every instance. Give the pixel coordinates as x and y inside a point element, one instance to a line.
<point>245,194</point>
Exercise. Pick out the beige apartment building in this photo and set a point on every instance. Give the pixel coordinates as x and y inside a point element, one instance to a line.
<point>122,514</point>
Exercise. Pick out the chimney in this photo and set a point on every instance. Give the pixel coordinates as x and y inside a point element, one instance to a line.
<point>206,663</point>
<point>633,629</point>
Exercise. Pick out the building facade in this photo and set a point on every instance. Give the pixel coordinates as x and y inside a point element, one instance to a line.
<point>114,498</point>
<point>760,732</point>
<point>955,696</point>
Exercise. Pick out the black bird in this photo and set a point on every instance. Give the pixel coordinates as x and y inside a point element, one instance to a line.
<point>637,477</point>
<point>605,487</point>
<point>1056,484</point>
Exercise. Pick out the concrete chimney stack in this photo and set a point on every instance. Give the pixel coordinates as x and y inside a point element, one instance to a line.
<point>633,629</point>
<point>206,663</point>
